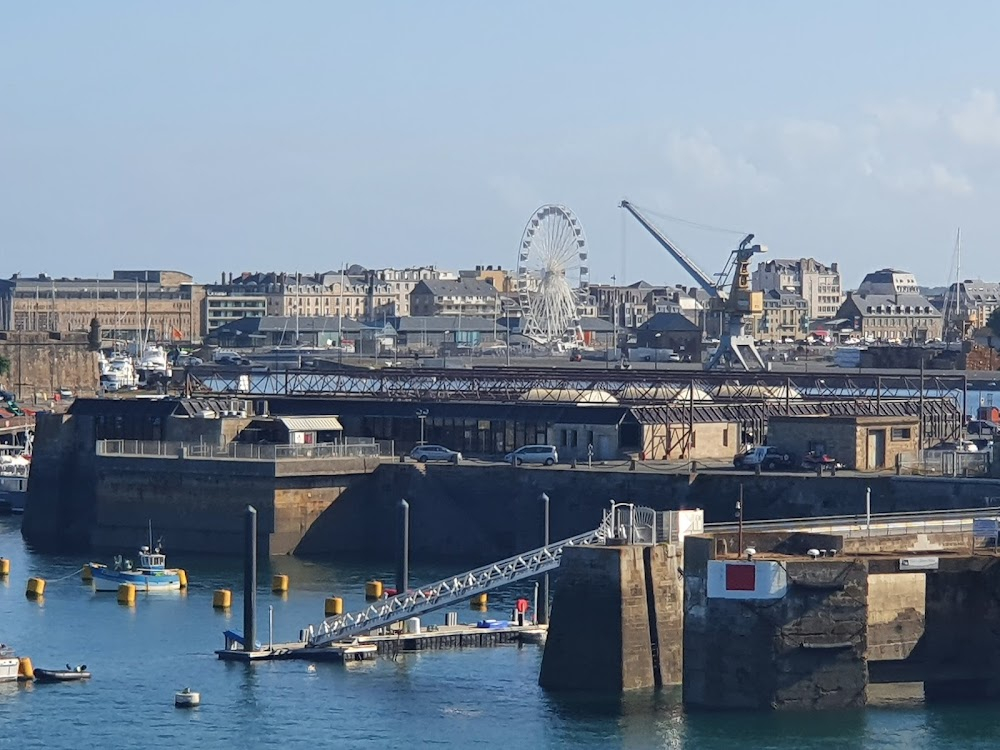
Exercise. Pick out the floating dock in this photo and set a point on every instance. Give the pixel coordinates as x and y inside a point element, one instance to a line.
<point>367,647</point>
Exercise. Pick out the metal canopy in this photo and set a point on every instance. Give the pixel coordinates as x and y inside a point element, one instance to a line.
<point>311,424</point>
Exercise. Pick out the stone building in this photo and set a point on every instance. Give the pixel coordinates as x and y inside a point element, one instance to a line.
<point>458,297</point>
<point>866,443</point>
<point>785,315</point>
<point>892,318</point>
<point>670,331</point>
<point>819,285</point>
<point>402,281</point>
<point>975,299</point>
<point>165,305</point>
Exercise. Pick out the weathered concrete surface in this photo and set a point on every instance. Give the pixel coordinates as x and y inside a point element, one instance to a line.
<point>803,651</point>
<point>616,618</point>
<point>896,606</point>
<point>42,363</point>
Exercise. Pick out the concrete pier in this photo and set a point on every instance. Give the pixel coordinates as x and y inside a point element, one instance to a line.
<point>615,621</point>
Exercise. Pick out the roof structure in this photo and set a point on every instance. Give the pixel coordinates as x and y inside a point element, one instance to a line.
<point>669,322</point>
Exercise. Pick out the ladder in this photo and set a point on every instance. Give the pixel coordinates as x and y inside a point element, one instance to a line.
<point>451,590</point>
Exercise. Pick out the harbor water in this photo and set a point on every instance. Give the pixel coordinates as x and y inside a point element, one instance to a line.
<point>141,655</point>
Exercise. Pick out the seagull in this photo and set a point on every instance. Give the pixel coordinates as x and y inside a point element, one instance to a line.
<point>311,668</point>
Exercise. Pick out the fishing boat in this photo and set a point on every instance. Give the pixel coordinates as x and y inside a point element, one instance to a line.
<point>70,674</point>
<point>151,574</point>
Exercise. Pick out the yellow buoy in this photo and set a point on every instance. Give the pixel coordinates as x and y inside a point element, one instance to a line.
<point>222,599</point>
<point>86,575</point>
<point>183,576</point>
<point>126,593</point>
<point>334,606</point>
<point>36,587</point>
<point>25,670</point>
<point>479,601</point>
<point>4,566</point>
<point>279,584</point>
<point>373,590</point>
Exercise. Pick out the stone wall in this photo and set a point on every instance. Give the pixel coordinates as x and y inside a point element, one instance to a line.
<point>42,363</point>
<point>896,607</point>
<point>844,439</point>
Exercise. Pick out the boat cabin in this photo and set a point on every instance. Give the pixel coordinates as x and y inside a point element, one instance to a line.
<point>151,560</point>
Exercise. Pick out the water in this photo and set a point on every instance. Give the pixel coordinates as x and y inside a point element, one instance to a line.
<point>141,656</point>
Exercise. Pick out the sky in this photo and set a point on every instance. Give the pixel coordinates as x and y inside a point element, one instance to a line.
<point>215,137</point>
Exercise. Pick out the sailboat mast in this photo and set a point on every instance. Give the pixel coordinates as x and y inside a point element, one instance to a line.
<point>958,268</point>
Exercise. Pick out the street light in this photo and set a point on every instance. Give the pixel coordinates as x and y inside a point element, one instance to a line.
<point>444,347</point>
<point>656,351</point>
<point>422,415</point>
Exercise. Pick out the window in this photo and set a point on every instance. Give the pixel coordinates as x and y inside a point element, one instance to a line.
<point>900,433</point>
<point>725,437</point>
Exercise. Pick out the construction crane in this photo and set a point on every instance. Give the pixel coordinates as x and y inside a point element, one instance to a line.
<point>736,349</point>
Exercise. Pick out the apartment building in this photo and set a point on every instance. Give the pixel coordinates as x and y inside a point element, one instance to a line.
<point>454,297</point>
<point>888,307</point>
<point>819,285</point>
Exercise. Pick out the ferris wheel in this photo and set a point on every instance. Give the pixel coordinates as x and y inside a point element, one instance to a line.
<point>552,275</point>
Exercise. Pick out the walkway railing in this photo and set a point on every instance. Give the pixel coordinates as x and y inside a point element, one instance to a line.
<point>246,451</point>
<point>452,590</point>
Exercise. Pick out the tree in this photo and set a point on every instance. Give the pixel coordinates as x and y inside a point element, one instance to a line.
<point>4,365</point>
<point>994,322</point>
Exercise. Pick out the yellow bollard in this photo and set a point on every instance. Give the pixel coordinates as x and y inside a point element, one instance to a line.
<point>182,574</point>
<point>222,599</point>
<point>25,670</point>
<point>479,601</point>
<point>373,590</point>
<point>36,588</point>
<point>4,567</point>
<point>334,606</point>
<point>279,584</point>
<point>86,575</point>
<point>126,593</point>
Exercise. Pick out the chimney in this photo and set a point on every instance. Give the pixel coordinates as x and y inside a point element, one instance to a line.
<point>223,277</point>
<point>230,277</point>
<point>833,267</point>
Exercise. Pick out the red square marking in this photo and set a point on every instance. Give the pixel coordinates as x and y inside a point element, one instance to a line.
<point>741,577</point>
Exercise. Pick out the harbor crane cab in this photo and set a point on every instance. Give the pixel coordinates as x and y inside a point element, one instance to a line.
<point>735,304</point>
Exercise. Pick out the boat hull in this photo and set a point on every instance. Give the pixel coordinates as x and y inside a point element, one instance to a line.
<point>8,669</point>
<point>60,675</point>
<point>106,579</point>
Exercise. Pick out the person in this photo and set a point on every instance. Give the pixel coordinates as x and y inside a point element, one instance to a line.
<point>520,609</point>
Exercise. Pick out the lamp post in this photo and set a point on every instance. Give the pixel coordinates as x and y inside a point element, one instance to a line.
<point>422,415</point>
<point>543,607</point>
<point>444,347</point>
<point>656,351</point>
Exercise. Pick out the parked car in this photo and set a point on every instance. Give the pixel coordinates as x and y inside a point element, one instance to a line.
<point>533,454</point>
<point>767,457</point>
<point>425,453</point>
<point>812,461</point>
<point>983,444</point>
<point>65,393</point>
<point>575,356</point>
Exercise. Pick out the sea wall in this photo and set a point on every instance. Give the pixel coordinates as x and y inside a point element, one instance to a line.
<point>42,363</point>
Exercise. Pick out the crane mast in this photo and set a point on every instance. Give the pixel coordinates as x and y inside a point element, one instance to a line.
<point>736,349</point>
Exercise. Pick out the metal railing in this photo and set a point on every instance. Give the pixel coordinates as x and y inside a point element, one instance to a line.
<point>356,448</point>
<point>946,463</point>
<point>457,588</point>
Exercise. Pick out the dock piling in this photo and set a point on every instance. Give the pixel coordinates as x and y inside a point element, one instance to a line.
<point>250,579</point>
<point>403,548</point>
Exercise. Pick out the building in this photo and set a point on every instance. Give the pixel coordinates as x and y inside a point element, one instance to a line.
<point>785,316</point>
<point>500,279</point>
<point>321,331</point>
<point>670,331</point>
<point>431,332</point>
<point>627,307</point>
<point>889,282</point>
<point>401,281</point>
<point>866,443</point>
<point>892,318</point>
<point>162,305</point>
<point>222,308</point>
<point>974,299</point>
<point>454,297</point>
<point>819,285</point>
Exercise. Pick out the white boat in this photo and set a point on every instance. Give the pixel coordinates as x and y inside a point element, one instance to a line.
<point>15,465</point>
<point>120,375</point>
<point>8,664</point>
<point>151,574</point>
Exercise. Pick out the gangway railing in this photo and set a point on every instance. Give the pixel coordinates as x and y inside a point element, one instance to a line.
<point>451,590</point>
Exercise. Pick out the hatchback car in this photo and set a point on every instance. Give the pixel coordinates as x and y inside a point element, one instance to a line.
<point>425,453</point>
<point>533,454</point>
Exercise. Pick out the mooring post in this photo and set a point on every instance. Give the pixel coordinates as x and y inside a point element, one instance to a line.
<point>250,579</point>
<point>403,548</point>
<point>543,605</point>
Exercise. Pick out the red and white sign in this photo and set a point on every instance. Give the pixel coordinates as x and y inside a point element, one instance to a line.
<point>764,579</point>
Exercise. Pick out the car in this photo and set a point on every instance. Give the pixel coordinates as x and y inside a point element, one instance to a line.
<point>65,393</point>
<point>575,356</point>
<point>674,357</point>
<point>425,453</point>
<point>767,457</point>
<point>533,454</point>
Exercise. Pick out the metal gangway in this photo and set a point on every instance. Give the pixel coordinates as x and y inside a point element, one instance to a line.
<point>623,523</point>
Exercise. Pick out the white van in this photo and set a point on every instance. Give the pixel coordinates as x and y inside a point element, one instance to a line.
<point>533,454</point>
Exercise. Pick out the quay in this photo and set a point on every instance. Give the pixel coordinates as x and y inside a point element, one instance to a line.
<point>363,648</point>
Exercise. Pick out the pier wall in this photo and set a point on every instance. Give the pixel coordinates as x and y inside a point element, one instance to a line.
<point>42,363</point>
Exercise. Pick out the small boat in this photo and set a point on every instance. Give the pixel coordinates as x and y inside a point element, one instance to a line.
<point>151,574</point>
<point>9,664</point>
<point>70,674</point>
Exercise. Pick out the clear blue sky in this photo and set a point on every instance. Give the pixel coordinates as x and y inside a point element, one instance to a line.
<point>230,136</point>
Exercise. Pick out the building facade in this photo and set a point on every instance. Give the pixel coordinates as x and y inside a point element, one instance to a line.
<point>161,305</point>
<point>893,319</point>
<point>974,299</point>
<point>400,282</point>
<point>221,308</point>
<point>819,285</point>
<point>459,297</point>
<point>785,316</point>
